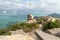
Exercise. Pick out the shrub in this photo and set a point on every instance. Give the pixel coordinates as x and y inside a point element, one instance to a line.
<point>4,32</point>
<point>27,27</point>
<point>50,25</point>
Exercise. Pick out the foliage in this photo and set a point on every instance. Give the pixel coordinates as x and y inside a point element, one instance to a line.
<point>50,25</point>
<point>40,18</point>
<point>27,27</point>
<point>4,32</point>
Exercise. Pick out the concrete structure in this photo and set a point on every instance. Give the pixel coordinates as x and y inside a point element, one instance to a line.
<point>55,31</point>
<point>30,19</point>
<point>45,36</point>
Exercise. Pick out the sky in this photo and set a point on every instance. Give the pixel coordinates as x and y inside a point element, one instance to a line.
<point>47,6</point>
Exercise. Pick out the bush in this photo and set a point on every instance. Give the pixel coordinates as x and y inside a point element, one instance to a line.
<point>27,27</point>
<point>50,25</point>
<point>4,32</point>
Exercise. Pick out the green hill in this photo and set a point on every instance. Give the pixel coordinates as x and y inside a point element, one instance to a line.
<point>55,15</point>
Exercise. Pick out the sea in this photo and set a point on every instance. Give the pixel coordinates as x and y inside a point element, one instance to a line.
<point>6,20</point>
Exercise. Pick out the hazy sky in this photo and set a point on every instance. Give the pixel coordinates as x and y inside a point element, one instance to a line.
<point>47,5</point>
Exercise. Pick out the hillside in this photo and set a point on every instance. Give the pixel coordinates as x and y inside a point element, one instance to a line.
<point>55,15</point>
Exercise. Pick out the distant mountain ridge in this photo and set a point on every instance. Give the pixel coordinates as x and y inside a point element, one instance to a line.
<point>55,15</point>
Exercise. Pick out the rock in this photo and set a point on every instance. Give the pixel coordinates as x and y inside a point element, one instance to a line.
<point>33,35</point>
<point>31,21</point>
<point>17,32</point>
<point>16,37</point>
<point>40,26</point>
<point>45,36</point>
<point>49,18</point>
<point>55,31</point>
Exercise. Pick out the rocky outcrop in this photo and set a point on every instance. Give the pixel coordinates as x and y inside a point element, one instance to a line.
<point>17,32</point>
<point>55,31</point>
<point>16,37</point>
<point>49,18</point>
<point>33,35</point>
<point>31,21</point>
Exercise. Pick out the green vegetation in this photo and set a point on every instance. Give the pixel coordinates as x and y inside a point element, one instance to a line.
<point>27,27</point>
<point>41,20</point>
<point>50,25</point>
<point>4,32</point>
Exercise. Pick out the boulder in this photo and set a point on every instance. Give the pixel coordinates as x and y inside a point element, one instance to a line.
<point>31,21</point>
<point>33,35</point>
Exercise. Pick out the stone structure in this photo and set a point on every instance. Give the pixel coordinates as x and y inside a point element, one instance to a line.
<point>45,36</point>
<point>55,31</point>
<point>30,18</point>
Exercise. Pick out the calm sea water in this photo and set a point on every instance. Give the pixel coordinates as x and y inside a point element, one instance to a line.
<point>6,20</point>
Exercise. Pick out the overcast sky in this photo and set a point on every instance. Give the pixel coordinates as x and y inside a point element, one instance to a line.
<point>47,5</point>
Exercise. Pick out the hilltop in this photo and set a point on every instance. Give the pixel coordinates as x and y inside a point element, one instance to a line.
<point>55,15</point>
